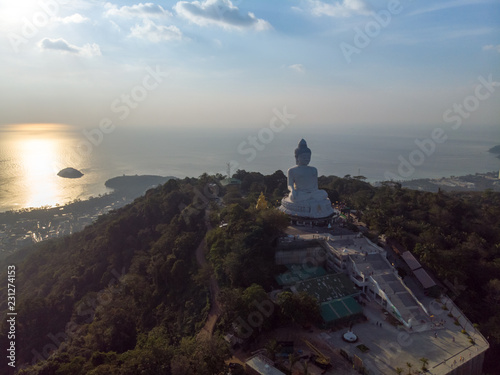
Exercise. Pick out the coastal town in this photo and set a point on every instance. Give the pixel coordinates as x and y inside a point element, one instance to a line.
<point>19,229</point>
<point>22,228</point>
<point>25,227</point>
<point>476,182</point>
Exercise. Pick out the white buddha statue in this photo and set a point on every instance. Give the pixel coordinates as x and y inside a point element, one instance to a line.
<point>303,179</point>
<point>305,199</point>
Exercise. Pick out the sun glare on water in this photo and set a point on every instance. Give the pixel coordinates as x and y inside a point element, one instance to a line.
<point>39,158</point>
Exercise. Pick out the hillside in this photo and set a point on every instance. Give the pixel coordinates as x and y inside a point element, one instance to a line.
<point>119,296</point>
<point>495,150</point>
<point>135,184</point>
<point>126,296</point>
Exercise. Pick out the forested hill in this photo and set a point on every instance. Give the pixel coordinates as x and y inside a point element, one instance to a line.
<point>126,296</point>
<point>119,297</point>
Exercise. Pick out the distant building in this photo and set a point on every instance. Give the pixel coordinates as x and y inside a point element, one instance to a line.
<point>260,365</point>
<point>230,182</point>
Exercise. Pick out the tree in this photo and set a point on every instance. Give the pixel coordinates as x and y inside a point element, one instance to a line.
<point>300,308</point>
<point>399,370</point>
<point>272,347</point>
<point>409,365</point>
<point>293,359</point>
<point>425,362</point>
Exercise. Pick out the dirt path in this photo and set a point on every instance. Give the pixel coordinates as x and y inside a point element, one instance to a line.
<point>215,309</point>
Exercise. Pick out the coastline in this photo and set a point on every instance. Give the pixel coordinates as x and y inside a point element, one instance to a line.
<point>20,228</point>
<point>469,183</point>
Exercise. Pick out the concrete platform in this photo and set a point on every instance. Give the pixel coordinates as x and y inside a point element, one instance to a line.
<point>450,352</point>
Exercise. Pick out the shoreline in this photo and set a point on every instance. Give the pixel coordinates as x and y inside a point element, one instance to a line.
<point>136,185</point>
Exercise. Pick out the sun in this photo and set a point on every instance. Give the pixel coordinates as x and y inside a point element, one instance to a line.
<point>23,18</point>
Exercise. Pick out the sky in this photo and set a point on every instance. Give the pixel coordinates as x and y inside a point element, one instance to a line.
<point>225,64</point>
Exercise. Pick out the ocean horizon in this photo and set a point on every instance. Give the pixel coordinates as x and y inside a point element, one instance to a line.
<point>30,160</point>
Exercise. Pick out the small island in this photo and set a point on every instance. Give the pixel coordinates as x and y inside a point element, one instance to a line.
<point>495,150</point>
<point>70,173</point>
<point>135,185</point>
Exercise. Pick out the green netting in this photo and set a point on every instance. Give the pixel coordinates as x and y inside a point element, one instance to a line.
<point>339,308</point>
<point>328,313</point>
<point>352,305</point>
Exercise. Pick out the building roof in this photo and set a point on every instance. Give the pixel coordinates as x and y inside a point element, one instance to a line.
<point>230,181</point>
<point>424,278</point>
<point>262,365</point>
<point>298,273</point>
<point>327,288</point>
<point>410,260</point>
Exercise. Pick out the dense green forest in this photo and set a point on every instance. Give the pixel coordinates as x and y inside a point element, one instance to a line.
<point>121,296</point>
<point>126,295</point>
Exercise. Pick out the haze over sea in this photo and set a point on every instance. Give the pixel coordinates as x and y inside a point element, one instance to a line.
<point>30,159</point>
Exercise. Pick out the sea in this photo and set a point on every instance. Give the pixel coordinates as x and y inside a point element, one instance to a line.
<point>32,155</point>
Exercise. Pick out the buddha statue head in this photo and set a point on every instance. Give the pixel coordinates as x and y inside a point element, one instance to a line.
<point>302,153</point>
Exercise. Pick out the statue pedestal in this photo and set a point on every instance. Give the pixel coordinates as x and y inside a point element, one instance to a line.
<point>309,209</point>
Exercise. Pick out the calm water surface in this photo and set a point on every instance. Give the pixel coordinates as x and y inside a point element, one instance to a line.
<point>30,157</point>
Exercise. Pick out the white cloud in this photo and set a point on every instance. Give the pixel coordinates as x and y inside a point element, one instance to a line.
<point>155,33</point>
<point>447,5</point>
<point>221,13</point>
<point>346,8</point>
<point>299,68</point>
<point>75,18</point>
<point>87,50</point>
<point>146,10</point>
<point>491,47</point>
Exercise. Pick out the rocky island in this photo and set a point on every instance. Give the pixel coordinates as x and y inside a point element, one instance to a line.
<point>70,173</point>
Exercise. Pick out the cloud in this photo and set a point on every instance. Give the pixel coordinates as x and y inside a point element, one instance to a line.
<point>88,50</point>
<point>75,18</point>
<point>155,33</point>
<point>299,68</point>
<point>221,13</point>
<point>346,8</point>
<point>447,5</point>
<point>491,47</point>
<point>146,10</point>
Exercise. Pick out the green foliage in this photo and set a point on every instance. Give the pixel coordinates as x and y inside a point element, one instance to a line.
<point>453,234</point>
<point>120,294</point>
<point>126,295</point>
<point>300,308</point>
<point>242,253</point>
